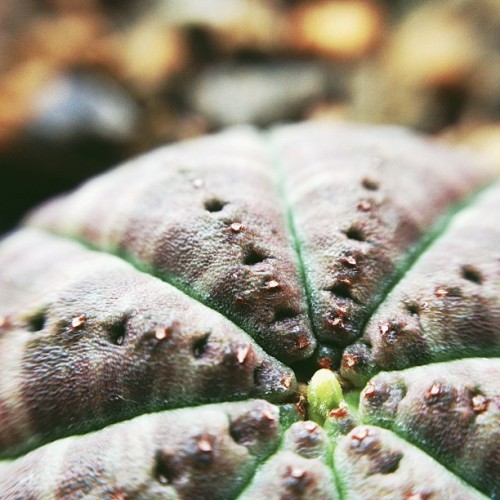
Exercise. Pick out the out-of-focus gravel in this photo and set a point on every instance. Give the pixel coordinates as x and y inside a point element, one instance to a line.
<point>87,83</point>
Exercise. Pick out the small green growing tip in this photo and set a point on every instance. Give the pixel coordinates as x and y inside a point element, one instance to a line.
<point>323,394</point>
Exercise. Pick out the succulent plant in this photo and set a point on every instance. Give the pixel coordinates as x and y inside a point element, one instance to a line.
<point>159,324</point>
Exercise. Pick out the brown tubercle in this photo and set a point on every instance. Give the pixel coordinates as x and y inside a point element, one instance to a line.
<point>479,403</point>
<point>350,360</point>
<point>364,206</point>
<point>161,333</point>
<point>349,261</point>
<point>440,291</point>
<point>78,321</point>
<point>205,445</point>
<point>370,391</point>
<point>296,472</point>
<point>286,381</point>
<point>272,285</point>
<point>267,415</point>
<point>338,413</point>
<point>359,436</point>
<point>5,323</point>
<point>242,353</point>
<point>310,427</point>
<point>236,227</point>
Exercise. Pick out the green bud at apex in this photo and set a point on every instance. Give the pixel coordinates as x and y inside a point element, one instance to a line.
<point>323,394</point>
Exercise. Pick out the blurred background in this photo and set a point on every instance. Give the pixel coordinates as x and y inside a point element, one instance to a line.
<point>85,84</point>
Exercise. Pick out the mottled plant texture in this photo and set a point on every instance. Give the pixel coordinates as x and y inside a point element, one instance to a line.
<point>157,325</point>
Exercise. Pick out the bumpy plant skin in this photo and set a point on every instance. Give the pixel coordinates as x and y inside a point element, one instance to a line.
<point>154,323</point>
